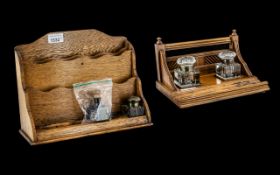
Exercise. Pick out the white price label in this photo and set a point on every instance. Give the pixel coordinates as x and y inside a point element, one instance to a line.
<point>55,38</point>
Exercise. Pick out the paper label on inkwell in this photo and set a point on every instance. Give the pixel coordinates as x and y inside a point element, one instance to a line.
<point>55,38</point>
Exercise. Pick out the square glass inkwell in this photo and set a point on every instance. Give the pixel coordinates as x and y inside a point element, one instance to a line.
<point>186,75</point>
<point>228,69</point>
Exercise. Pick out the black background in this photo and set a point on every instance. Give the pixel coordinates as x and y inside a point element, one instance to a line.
<point>240,129</point>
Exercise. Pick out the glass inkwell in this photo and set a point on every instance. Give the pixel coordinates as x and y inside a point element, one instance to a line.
<point>186,75</point>
<point>228,69</point>
<point>133,108</point>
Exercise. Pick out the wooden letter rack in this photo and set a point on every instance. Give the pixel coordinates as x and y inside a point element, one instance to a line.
<point>46,71</point>
<point>212,88</point>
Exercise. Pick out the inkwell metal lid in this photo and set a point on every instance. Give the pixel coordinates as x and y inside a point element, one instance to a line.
<point>227,55</point>
<point>134,101</point>
<point>185,61</point>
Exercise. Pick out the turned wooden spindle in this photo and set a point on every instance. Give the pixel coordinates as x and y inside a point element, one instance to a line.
<point>234,32</point>
<point>159,41</point>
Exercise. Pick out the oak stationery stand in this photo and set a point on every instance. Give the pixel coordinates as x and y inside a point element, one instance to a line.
<point>212,88</point>
<point>46,70</point>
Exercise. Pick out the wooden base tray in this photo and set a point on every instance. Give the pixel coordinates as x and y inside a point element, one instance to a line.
<point>70,131</point>
<point>212,90</point>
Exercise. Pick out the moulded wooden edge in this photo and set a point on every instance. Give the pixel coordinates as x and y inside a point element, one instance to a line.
<point>248,92</point>
<point>88,128</point>
<point>82,135</point>
<point>213,96</point>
